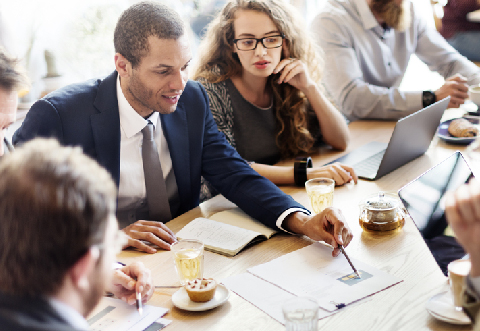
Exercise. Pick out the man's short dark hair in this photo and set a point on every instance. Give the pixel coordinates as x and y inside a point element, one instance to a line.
<point>54,205</point>
<point>10,77</point>
<point>141,21</point>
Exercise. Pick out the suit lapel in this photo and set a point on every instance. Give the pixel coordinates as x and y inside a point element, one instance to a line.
<point>175,128</point>
<point>106,127</point>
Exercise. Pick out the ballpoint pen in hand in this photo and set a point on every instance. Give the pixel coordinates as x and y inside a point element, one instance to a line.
<point>138,302</point>
<point>349,262</point>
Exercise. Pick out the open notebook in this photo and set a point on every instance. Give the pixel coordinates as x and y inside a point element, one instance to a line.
<point>226,232</point>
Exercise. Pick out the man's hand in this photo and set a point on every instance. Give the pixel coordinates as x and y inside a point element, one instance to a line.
<point>130,279</point>
<point>456,87</point>
<point>339,172</point>
<point>154,232</point>
<point>328,226</point>
<point>462,209</point>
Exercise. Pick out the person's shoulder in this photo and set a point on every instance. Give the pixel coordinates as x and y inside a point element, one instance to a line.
<point>335,15</point>
<point>73,95</point>
<point>194,93</point>
<point>335,9</point>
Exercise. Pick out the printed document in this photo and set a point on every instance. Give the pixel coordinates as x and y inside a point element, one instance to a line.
<point>116,315</point>
<point>313,272</point>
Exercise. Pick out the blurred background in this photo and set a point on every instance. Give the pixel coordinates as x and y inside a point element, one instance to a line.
<point>61,42</point>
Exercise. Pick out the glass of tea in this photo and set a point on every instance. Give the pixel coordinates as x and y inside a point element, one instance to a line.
<point>188,257</point>
<point>320,191</point>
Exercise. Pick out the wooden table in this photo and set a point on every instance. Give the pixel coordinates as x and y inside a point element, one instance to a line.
<point>403,254</point>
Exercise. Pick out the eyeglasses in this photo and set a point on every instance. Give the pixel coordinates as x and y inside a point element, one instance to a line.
<point>249,44</point>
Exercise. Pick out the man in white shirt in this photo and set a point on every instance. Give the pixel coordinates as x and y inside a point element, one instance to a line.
<point>368,44</point>
<point>11,80</point>
<point>150,89</point>
<point>58,240</point>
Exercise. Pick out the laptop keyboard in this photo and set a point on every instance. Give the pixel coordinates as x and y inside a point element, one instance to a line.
<point>369,166</point>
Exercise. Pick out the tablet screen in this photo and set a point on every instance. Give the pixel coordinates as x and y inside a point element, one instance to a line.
<point>424,200</point>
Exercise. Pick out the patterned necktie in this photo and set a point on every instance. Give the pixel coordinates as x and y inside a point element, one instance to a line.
<point>157,197</point>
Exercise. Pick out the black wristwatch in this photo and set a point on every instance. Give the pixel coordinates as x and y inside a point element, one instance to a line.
<point>428,98</point>
<point>300,170</point>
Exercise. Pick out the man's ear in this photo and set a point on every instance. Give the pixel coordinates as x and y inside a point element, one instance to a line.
<point>79,273</point>
<point>122,65</point>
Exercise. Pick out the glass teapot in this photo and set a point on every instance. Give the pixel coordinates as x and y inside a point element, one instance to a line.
<point>382,212</point>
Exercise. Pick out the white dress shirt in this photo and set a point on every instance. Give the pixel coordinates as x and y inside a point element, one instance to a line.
<point>131,190</point>
<point>70,315</point>
<point>365,64</point>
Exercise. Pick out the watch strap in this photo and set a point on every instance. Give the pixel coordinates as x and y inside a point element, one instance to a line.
<point>300,170</point>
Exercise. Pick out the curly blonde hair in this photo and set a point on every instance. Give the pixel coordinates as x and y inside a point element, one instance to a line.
<point>217,63</point>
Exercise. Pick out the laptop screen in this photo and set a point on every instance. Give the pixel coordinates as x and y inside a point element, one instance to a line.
<point>424,200</point>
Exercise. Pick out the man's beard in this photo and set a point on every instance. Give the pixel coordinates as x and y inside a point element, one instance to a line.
<point>395,16</point>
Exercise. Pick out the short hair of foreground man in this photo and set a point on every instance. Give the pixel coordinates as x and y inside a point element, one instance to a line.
<point>54,205</point>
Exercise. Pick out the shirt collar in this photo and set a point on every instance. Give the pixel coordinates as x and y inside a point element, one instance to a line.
<point>366,16</point>
<point>130,121</point>
<point>70,315</point>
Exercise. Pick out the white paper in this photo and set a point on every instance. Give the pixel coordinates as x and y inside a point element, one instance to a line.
<point>312,271</point>
<point>263,295</point>
<point>215,234</point>
<point>116,315</point>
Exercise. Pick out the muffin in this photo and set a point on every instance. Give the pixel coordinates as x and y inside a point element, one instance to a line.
<point>201,289</point>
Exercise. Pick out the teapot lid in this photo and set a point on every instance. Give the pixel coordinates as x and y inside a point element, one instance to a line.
<point>382,201</point>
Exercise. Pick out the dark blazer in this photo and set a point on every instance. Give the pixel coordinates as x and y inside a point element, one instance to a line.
<point>32,314</point>
<point>87,115</point>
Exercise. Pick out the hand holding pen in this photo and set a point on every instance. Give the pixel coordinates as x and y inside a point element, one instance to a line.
<point>132,284</point>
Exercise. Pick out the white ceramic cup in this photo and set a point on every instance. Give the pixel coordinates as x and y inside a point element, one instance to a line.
<point>457,272</point>
<point>474,94</point>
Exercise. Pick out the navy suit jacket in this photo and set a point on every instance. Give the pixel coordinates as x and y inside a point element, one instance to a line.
<point>30,314</point>
<point>87,115</point>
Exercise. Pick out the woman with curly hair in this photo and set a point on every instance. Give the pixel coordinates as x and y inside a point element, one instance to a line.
<point>261,71</point>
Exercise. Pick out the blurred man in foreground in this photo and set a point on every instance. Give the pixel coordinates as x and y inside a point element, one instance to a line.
<point>58,240</point>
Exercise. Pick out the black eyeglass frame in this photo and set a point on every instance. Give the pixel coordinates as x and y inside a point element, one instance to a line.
<point>257,40</point>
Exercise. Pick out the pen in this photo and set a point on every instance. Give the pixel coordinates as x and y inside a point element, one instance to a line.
<point>139,302</point>
<point>349,262</point>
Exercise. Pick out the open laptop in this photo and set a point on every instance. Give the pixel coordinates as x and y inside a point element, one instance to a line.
<point>410,139</point>
<point>423,198</point>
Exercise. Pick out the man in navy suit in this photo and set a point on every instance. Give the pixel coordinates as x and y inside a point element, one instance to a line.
<point>106,118</point>
<point>58,240</point>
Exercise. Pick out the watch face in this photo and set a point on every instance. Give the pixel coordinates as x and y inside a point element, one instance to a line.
<point>428,98</point>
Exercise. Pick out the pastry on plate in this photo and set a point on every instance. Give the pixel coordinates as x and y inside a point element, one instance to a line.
<point>201,289</point>
<point>462,128</point>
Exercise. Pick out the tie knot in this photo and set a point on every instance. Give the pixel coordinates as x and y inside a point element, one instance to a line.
<point>147,131</point>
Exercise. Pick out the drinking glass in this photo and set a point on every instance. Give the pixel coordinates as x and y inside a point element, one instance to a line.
<point>188,257</point>
<point>320,191</point>
<point>301,314</point>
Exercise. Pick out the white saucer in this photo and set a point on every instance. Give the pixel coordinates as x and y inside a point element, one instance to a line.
<point>181,300</point>
<point>441,307</point>
<point>469,106</point>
